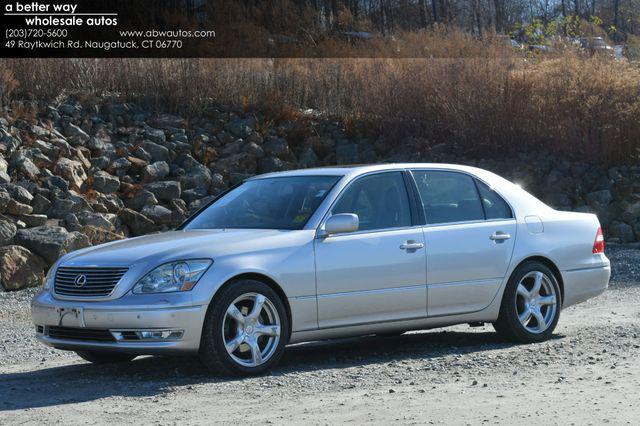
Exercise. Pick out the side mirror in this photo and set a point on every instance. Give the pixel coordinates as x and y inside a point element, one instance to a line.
<point>341,224</point>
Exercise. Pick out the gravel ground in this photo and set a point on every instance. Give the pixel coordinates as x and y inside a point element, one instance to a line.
<point>587,374</point>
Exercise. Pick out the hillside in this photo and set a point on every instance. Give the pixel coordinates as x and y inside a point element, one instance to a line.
<point>74,174</point>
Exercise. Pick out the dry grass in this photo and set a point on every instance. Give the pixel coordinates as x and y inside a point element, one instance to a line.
<point>482,98</point>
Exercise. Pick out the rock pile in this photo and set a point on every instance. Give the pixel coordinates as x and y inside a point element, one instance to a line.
<point>73,175</point>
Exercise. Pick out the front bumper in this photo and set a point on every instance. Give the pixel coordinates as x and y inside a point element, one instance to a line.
<point>118,318</point>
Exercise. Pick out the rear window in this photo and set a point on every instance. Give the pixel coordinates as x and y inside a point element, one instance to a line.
<point>448,196</point>
<point>495,206</point>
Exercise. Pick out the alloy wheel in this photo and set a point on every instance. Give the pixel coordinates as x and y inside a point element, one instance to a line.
<point>536,302</point>
<point>251,329</point>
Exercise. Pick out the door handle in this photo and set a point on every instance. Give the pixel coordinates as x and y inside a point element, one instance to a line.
<point>411,245</point>
<point>499,236</point>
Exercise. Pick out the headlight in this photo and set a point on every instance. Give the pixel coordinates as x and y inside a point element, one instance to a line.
<point>48,280</point>
<point>181,275</point>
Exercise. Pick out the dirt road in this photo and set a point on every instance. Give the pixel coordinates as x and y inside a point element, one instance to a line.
<point>588,374</point>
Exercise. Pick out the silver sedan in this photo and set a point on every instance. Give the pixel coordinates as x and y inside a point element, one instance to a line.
<point>325,253</point>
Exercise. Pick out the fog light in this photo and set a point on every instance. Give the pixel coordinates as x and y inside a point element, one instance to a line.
<point>148,335</point>
<point>159,334</point>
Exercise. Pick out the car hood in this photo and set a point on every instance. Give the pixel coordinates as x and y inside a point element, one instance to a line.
<point>188,244</point>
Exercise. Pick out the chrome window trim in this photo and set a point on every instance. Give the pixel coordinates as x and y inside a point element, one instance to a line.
<point>327,213</point>
<point>320,235</point>
<point>467,222</point>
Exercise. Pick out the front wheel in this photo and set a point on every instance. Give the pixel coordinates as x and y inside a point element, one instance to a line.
<point>530,305</point>
<point>245,330</point>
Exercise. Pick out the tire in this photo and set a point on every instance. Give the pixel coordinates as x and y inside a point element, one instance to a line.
<point>522,311</point>
<point>96,357</point>
<point>246,332</point>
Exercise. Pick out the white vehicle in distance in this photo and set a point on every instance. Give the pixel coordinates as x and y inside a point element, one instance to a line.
<point>325,253</point>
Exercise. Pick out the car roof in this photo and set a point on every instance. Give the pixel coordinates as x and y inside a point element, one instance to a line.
<point>509,190</point>
<point>360,169</point>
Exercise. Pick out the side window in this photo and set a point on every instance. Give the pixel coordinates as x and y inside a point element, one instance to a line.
<point>494,206</point>
<point>379,200</point>
<point>448,196</point>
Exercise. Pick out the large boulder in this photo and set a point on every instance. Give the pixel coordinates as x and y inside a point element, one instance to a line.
<point>254,149</point>
<point>599,198</point>
<point>99,235</point>
<point>56,182</point>
<point>155,171</point>
<point>31,220</point>
<point>75,135</point>
<point>141,199</point>
<point>270,164</point>
<point>26,167</point>
<point>4,166</point>
<point>165,191</point>
<point>72,171</point>
<point>190,195</point>
<point>106,221</point>
<point>40,204</point>
<point>71,203</point>
<point>138,223</point>
<point>105,182</point>
<point>15,208</point>
<point>51,242</point>
<point>347,154</point>
<point>4,199</point>
<point>308,158</point>
<point>61,207</point>
<point>276,146</point>
<point>631,212</point>
<point>242,162</point>
<point>200,203</point>
<point>19,193</point>
<point>19,268</point>
<point>112,202</point>
<point>155,135</point>
<point>622,231</point>
<point>160,215</point>
<point>157,152</point>
<point>120,166</point>
<point>7,231</point>
<point>8,144</point>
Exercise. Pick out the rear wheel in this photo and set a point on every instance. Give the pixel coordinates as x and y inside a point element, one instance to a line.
<point>96,357</point>
<point>530,305</point>
<point>245,330</point>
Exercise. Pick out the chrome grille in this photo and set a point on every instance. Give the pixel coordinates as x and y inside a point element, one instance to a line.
<point>96,281</point>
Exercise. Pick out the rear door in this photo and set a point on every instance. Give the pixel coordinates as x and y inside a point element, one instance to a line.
<point>469,235</point>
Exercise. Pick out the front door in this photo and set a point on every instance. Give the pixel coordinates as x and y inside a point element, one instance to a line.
<point>379,272</point>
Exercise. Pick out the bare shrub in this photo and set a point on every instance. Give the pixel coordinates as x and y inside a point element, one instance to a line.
<point>482,98</point>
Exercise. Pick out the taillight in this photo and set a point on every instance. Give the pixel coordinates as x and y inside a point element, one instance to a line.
<point>598,244</point>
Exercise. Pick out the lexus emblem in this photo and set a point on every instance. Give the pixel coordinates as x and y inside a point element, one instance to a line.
<point>80,280</point>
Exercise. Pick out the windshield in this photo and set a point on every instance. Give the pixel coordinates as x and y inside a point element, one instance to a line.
<point>270,203</point>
